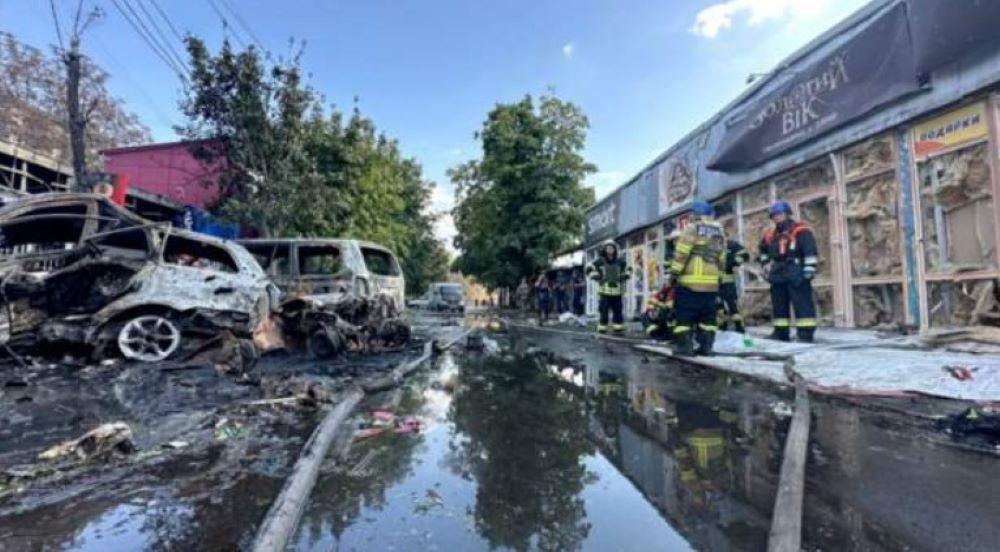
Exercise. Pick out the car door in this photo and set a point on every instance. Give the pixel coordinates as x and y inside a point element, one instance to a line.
<point>384,272</point>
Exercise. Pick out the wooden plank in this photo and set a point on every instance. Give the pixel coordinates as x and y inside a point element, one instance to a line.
<point>283,518</point>
<point>786,518</point>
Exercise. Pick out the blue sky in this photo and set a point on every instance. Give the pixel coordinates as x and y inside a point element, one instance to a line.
<point>645,72</point>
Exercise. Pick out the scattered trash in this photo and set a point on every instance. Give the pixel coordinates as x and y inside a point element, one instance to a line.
<point>175,444</point>
<point>978,422</point>
<point>225,429</point>
<point>101,442</point>
<point>961,373</point>
<point>380,421</point>
<point>409,425</point>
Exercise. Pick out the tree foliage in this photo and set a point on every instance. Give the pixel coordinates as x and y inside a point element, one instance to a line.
<point>289,168</point>
<point>523,202</point>
<point>33,104</point>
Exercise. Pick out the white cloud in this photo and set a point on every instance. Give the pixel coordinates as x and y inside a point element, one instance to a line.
<point>718,17</point>
<point>569,49</point>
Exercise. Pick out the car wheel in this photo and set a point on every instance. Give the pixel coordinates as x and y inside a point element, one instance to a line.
<point>149,338</point>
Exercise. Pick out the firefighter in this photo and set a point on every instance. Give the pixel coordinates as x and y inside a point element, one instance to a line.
<point>610,271</point>
<point>658,316</point>
<point>695,267</point>
<point>788,251</point>
<point>729,311</point>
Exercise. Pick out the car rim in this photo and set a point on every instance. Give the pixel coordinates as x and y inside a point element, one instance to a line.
<point>150,338</point>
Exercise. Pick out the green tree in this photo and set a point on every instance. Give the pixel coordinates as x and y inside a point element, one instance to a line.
<point>290,169</point>
<point>524,201</point>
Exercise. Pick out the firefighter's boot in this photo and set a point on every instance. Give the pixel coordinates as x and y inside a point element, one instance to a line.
<point>684,344</point>
<point>706,339</point>
<point>781,334</point>
<point>805,335</point>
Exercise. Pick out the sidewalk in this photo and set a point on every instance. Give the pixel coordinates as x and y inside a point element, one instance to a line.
<point>847,362</point>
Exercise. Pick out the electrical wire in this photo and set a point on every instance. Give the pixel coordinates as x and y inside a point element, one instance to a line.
<point>170,23</point>
<point>225,23</point>
<point>164,39</point>
<point>147,39</point>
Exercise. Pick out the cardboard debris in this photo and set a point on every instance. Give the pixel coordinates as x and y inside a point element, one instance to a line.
<point>101,442</point>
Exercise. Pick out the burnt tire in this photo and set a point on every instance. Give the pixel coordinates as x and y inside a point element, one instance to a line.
<point>148,337</point>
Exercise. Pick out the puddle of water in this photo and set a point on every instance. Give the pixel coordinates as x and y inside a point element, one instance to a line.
<point>505,462</point>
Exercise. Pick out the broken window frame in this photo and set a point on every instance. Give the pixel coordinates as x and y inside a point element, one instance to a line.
<point>926,278</point>
<point>844,181</point>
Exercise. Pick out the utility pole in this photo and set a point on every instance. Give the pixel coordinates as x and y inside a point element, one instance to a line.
<point>77,117</point>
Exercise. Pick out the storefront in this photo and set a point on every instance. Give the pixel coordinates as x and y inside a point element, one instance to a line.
<point>895,171</point>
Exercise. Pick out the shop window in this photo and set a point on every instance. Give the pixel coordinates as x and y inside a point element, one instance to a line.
<point>963,303</point>
<point>868,158</point>
<point>817,214</point>
<point>873,226</point>
<point>812,179</point>
<point>957,209</point>
<point>756,196</point>
<point>654,265</point>
<point>754,226</point>
<point>824,305</point>
<point>725,207</point>
<point>878,306</point>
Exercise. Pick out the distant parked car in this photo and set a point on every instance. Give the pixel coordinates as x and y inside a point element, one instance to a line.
<point>445,296</point>
<point>330,267</point>
<point>79,269</point>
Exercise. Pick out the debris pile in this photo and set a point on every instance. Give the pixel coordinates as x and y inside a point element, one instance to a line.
<point>348,323</point>
<point>102,442</point>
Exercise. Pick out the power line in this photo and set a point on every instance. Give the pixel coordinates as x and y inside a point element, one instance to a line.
<point>144,35</point>
<point>163,14</point>
<point>243,25</point>
<point>162,36</point>
<point>164,48</point>
<point>225,23</point>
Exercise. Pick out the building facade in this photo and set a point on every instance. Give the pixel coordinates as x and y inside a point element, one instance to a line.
<point>883,135</point>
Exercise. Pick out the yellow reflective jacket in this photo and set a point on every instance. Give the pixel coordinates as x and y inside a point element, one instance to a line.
<point>700,255</point>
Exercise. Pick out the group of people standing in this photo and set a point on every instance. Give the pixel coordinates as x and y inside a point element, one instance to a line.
<point>566,291</point>
<point>699,293</point>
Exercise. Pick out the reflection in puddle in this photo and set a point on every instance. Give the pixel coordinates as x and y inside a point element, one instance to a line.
<point>522,455</point>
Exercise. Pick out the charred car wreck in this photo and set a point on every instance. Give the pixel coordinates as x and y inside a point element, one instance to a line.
<point>81,274</point>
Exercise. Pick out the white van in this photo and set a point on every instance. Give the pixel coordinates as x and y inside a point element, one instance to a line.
<point>320,267</point>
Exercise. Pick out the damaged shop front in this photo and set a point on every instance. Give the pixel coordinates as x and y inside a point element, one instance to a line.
<point>895,170</point>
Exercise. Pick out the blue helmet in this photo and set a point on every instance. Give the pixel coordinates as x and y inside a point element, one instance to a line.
<point>780,206</point>
<point>702,209</point>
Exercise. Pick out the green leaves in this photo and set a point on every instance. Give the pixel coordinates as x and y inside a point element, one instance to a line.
<point>523,202</point>
<point>289,170</point>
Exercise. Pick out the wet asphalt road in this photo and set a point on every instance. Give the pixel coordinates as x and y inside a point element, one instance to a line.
<point>561,443</point>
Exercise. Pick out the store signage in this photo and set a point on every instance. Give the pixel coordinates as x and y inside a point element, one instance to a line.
<point>677,184</point>
<point>954,128</point>
<point>871,69</point>
<point>602,220</point>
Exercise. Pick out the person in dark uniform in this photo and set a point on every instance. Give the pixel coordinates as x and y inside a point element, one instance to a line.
<point>610,271</point>
<point>729,299</point>
<point>544,290</point>
<point>695,268</point>
<point>562,292</point>
<point>579,292</point>
<point>788,251</point>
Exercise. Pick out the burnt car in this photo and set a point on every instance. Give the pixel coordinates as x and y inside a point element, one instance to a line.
<point>328,269</point>
<point>78,270</point>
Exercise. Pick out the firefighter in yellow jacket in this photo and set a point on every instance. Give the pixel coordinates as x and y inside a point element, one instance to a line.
<point>695,269</point>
